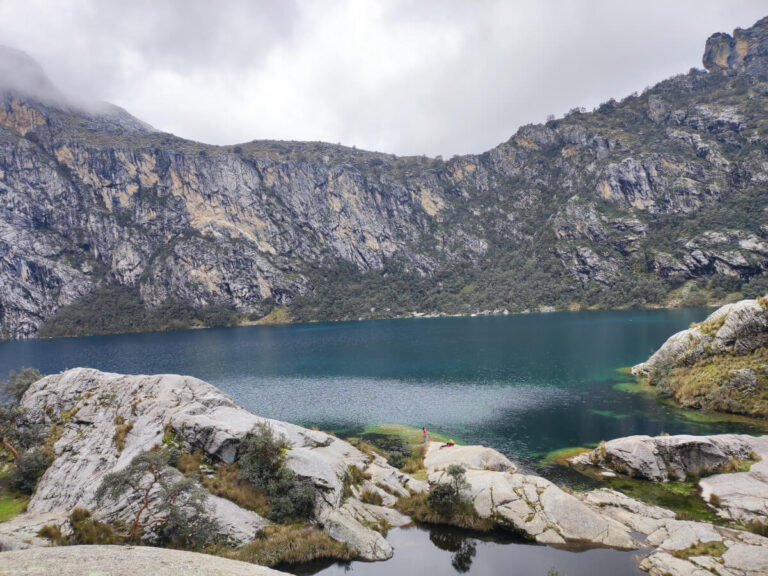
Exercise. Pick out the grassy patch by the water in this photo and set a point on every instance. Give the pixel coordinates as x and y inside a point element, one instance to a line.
<point>562,456</point>
<point>716,549</point>
<point>278,315</point>
<point>708,384</point>
<point>682,498</point>
<point>462,515</point>
<point>280,545</point>
<point>401,445</point>
<point>12,505</point>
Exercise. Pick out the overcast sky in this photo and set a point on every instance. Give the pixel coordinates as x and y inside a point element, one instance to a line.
<point>402,76</point>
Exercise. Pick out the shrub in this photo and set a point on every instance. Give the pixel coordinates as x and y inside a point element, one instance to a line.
<point>86,530</point>
<point>262,462</point>
<point>30,466</point>
<point>183,520</point>
<point>19,382</point>
<point>442,499</point>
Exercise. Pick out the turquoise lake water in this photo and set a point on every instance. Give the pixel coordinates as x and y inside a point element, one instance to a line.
<point>526,385</point>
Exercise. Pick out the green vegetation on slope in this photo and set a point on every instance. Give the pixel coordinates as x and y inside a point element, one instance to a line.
<point>114,309</point>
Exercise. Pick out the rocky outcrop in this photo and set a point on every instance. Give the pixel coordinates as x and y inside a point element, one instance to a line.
<point>123,561</point>
<point>738,496</point>
<point>743,53</point>
<point>92,198</point>
<point>665,458</point>
<point>527,504</point>
<point>737,328</point>
<point>742,496</point>
<point>718,364</point>
<point>87,406</point>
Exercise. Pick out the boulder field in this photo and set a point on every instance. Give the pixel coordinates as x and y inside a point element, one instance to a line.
<point>86,408</point>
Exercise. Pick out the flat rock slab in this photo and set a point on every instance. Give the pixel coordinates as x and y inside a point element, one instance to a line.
<point>122,561</point>
<point>439,457</point>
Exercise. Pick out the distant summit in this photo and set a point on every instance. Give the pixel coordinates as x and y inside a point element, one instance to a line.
<point>746,52</point>
<point>22,76</point>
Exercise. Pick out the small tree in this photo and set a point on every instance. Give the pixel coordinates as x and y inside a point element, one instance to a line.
<point>458,480</point>
<point>19,436</point>
<point>19,382</point>
<point>183,519</point>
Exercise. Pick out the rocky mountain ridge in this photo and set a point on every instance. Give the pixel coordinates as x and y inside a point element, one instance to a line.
<point>653,200</point>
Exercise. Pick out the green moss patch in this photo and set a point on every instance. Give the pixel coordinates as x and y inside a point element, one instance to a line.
<point>682,498</point>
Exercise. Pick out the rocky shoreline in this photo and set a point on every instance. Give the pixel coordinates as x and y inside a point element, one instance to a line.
<point>88,406</point>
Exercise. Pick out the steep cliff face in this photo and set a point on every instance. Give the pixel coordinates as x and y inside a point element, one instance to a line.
<point>611,208</point>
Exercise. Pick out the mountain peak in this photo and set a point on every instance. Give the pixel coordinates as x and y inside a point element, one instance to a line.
<point>746,52</point>
<point>21,74</point>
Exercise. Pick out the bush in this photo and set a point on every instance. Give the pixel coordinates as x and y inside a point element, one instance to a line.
<point>262,462</point>
<point>30,466</point>
<point>19,382</point>
<point>86,530</point>
<point>442,499</point>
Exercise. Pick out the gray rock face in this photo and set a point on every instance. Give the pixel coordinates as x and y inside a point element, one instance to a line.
<point>528,504</point>
<point>94,197</point>
<point>122,561</point>
<point>736,328</point>
<point>742,496</point>
<point>664,458</point>
<point>87,404</point>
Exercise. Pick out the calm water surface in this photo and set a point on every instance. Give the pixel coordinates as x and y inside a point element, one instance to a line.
<point>525,385</point>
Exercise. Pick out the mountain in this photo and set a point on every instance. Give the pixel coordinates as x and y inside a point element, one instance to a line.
<point>107,224</point>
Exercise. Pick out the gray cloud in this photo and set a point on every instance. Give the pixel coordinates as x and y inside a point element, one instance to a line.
<point>428,77</point>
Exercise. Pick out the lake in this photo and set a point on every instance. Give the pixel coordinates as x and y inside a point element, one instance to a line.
<point>524,384</point>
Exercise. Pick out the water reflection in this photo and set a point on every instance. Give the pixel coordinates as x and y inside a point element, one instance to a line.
<point>421,551</point>
<point>463,549</point>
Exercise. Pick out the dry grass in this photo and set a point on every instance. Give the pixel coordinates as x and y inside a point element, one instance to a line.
<point>228,484</point>
<point>278,545</point>
<point>716,549</point>
<point>122,428</point>
<point>463,515</point>
<point>371,497</point>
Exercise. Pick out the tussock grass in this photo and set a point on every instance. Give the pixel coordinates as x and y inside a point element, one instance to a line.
<point>228,484</point>
<point>279,544</point>
<point>122,428</point>
<point>463,514</point>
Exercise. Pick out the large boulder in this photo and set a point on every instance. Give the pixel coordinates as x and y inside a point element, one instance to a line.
<point>527,504</point>
<point>734,328</point>
<point>122,561</point>
<point>88,409</point>
<point>664,458</point>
